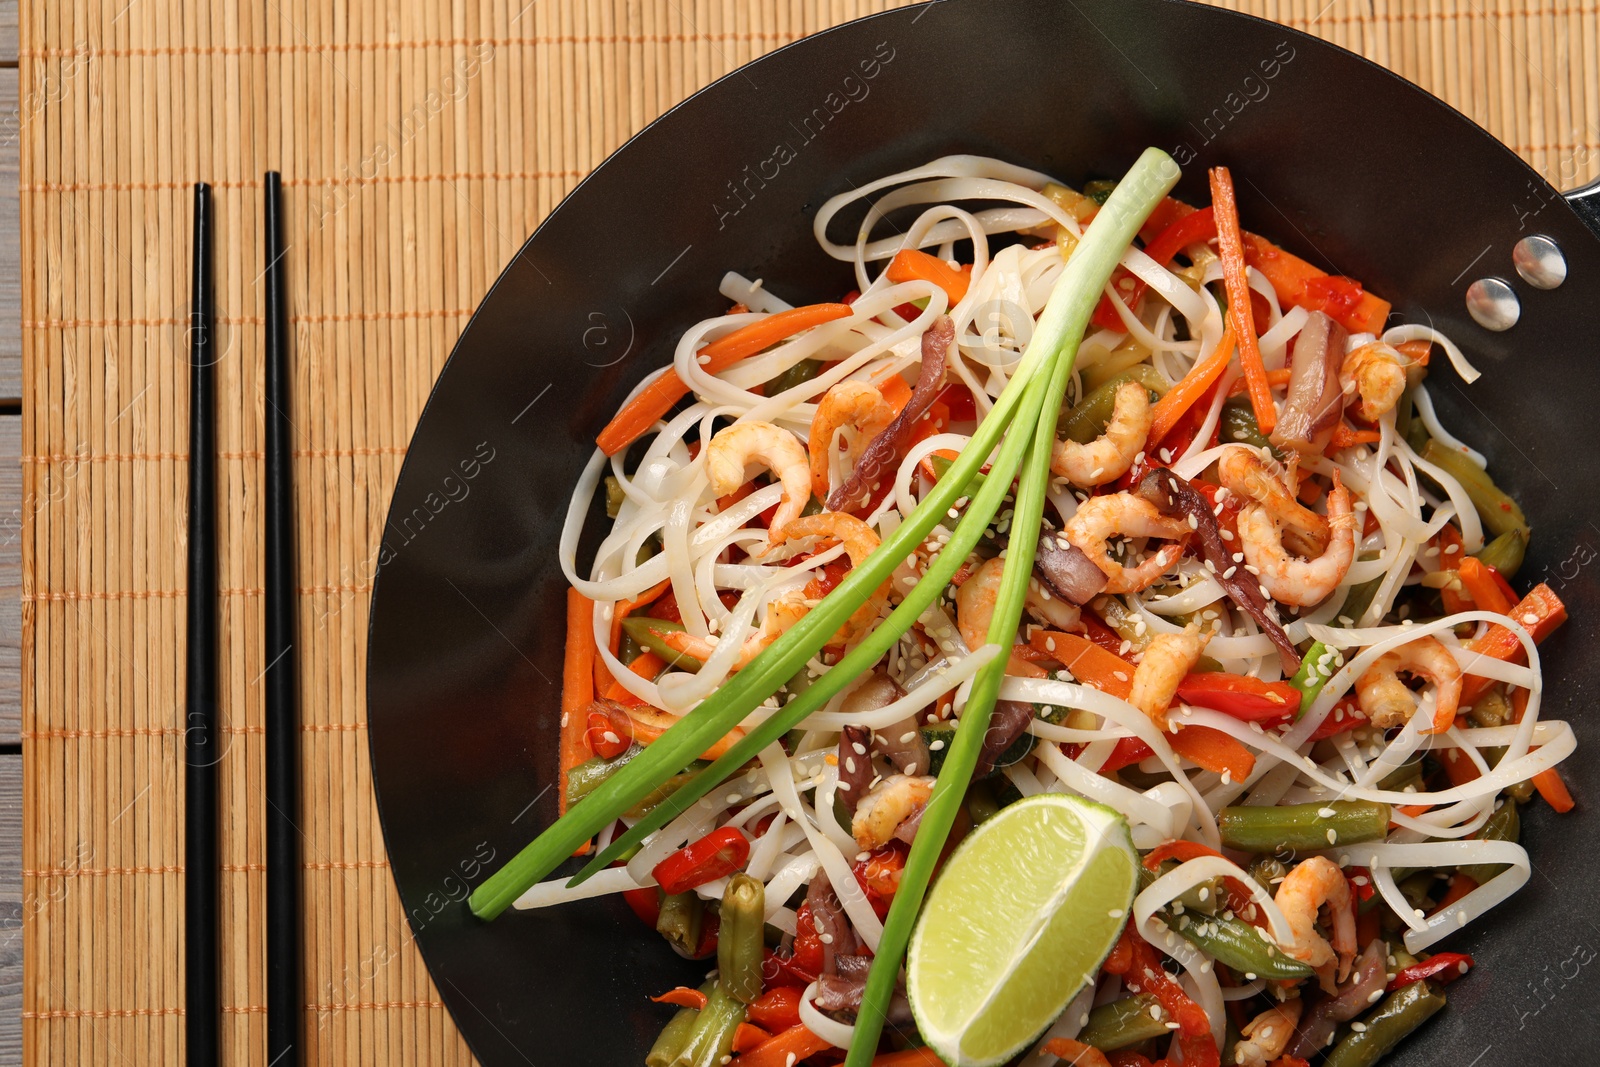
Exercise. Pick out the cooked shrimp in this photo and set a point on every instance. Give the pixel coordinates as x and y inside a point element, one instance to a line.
<point>1378,373</point>
<point>1244,472</point>
<point>1314,882</point>
<point>850,403</point>
<point>1287,578</point>
<point>744,443</point>
<point>781,614</point>
<point>1268,1034</point>
<point>1386,700</point>
<point>859,542</point>
<point>1101,518</point>
<point>1107,457</point>
<point>887,806</point>
<point>1166,660</point>
<point>975,603</point>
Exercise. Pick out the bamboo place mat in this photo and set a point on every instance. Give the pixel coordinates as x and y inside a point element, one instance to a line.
<point>420,142</point>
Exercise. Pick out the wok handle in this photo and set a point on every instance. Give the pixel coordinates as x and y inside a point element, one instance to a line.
<point>1586,202</point>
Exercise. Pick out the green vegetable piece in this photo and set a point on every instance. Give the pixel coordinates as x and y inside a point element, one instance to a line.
<point>1311,676</point>
<point>1490,709</point>
<point>1504,825</point>
<point>981,802</point>
<point>1123,619</point>
<point>798,374</point>
<point>1500,514</point>
<point>587,776</point>
<point>1357,602</point>
<point>943,733</point>
<point>614,496</point>
<point>675,1035</point>
<point>1268,871</point>
<point>681,920</point>
<point>1125,1022</point>
<point>1099,190</point>
<point>647,633</point>
<point>941,467</point>
<point>1088,420</point>
<point>1505,552</point>
<point>1238,423</point>
<point>711,1041</point>
<point>628,649</point>
<point>739,940</point>
<point>1400,1013</point>
<point>1237,944</point>
<point>1302,827</point>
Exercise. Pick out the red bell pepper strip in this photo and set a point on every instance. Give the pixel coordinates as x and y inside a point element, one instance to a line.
<point>646,903</point>
<point>716,855</point>
<point>1088,662</point>
<point>776,1009</point>
<point>1146,975</point>
<point>782,1050</point>
<point>1540,612</point>
<point>1129,750</point>
<point>683,997</point>
<point>609,735</point>
<point>1440,969</point>
<point>1238,695</point>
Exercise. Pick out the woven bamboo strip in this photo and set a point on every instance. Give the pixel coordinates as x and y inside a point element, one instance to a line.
<point>420,143</point>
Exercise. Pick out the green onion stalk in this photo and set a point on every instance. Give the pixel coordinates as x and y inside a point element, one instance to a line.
<point>1023,399</point>
<point>1060,330</point>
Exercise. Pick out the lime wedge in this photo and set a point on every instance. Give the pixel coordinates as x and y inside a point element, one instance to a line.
<point>1019,920</point>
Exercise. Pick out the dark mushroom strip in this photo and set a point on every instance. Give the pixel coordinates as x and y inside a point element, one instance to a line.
<point>843,991</point>
<point>1067,570</point>
<point>882,454</point>
<point>855,766</point>
<point>827,915</point>
<point>1315,400</point>
<point>1173,495</point>
<point>1362,991</point>
<point>1009,722</point>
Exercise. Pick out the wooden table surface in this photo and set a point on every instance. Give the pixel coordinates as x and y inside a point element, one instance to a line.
<point>12,118</point>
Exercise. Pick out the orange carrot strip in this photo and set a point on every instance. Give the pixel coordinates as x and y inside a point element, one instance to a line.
<point>1213,750</point>
<point>747,1037</point>
<point>1181,397</point>
<point>624,608</point>
<point>1550,786</point>
<point>646,665</point>
<point>1460,886</point>
<point>782,1050</point>
<point>577,686</point>
<point>657,398</point>
<point>1482,587</point>
<point>1275,378</point>
<point>1540,612</point>
<point>896,393</point>
<point>1416,351</point>
<point>1289,274</point>
<point>911,265</point>
<point>1458,768</point>
<point>1344,436</point>
<point>649,724</point>
<point>1088,662</point>
<point>1230,245</point>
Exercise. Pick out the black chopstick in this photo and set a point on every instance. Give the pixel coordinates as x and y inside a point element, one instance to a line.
<point>202,749</point>
<point>282,718</point>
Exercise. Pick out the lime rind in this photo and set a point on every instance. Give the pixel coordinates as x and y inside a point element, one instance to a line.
<point>1020,919</point>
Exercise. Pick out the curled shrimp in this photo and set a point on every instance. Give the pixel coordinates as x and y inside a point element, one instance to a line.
<point>733,449</point>
<point>1377,372</point>
<point>888,806</point>
<point>1101,518</point>
<point>850,403</point>
<point>975,600</point>
<point>1166,660</point>
<point>1386,700</point>
<point>1107,457</point>
<point>1245,473</point>
<point>859,542</point>
<point>1267,1035</point>
<point>781,614</point>
<point>1287,578</point>
<point>1314,882</point>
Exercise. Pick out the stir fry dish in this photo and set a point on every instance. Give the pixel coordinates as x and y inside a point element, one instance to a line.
<point>1079,642</point>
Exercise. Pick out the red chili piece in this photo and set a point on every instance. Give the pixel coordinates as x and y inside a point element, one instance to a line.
<point>609,735</point>
<point>716,855</point>
<point>1444,968</point>
<point>1238,695</point>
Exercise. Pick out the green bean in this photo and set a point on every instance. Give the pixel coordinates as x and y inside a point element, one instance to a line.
<point>1312,675</point>
<point>1130,353</point>
<point>1122,619</point>
<point>1402,958</point>
<point>1505,552</point>
<point>1359,598</point>
<point>1490,709</point>
<point>648,550</point>
<point>1522,792</point>
<point>1204,897</point>
<point>1268,871</point>
<point>614,496</point>
<point>675,1034</point>
<point>739,941</point>
<point>1302,827</point>
<point>943,733</point>
<point>1417,436</point>
<point>1500,514</point>
<point>798,374</point>
<point>1406,774</point>
<point>680,921</point>
<point>711,1041</point>
<point>586,777</point>
<point>1400,1013</point>
<point>1238,423</point>
<point>647,632</point>
<point>1088,420</point>
<point>941,466</point>
<point>1417,888</point>
<point>1236,943</point>
<point>628,649</point>
<point>1124,1022</point>
<point>1504,825</point>
<point>652,799</point>
<point>981,804</point>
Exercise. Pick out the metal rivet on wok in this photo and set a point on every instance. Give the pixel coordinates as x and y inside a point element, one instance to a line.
<point>1540,262</point>
<point>1492,304</point>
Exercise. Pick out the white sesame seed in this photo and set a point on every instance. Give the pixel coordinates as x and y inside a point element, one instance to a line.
<point>1326,813</point>
<point>1359,1027</point>
<point>1115,913</point>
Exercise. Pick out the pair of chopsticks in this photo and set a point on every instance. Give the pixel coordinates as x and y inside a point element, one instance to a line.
<point>203,741</point>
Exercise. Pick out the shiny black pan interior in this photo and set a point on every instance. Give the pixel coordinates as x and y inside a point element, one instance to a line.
<point>1335,158</point>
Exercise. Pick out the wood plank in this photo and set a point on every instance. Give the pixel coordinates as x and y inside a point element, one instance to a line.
<point>8,31</point>
<point>10,909</point>
<point>10,582</point>
<point>10,232</point>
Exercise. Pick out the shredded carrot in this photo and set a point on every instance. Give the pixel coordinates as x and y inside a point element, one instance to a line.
<point>1275,378</point>
<point>911,1057</point>
<point>896,393</point>
<point>1345,436</point>
<point>1416,351</point>
<point>682,997</point>
<point>911,265</point>
<point>782,1049</point>
<point>1181,397</point>
<point>1481,586</point>
<point>1540,612</point>
<point>1180,850</point>
<point>1290,275</point>
<point>624,608</point>
<point>747,1037</point>
<point>1460,886</point>
<point>1076,1053</point>
<point>1213,750</point>
<point>1088,662</point>
<point>657,398</point>
<point>1458,767</point>
<point>577,686</point>
<point>646,665</point>
<point>649,724</point>
<point>1230,245</point>
<point>1554,790</point>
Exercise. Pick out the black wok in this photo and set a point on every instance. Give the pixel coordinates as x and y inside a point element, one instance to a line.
<point>1337,159</point>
